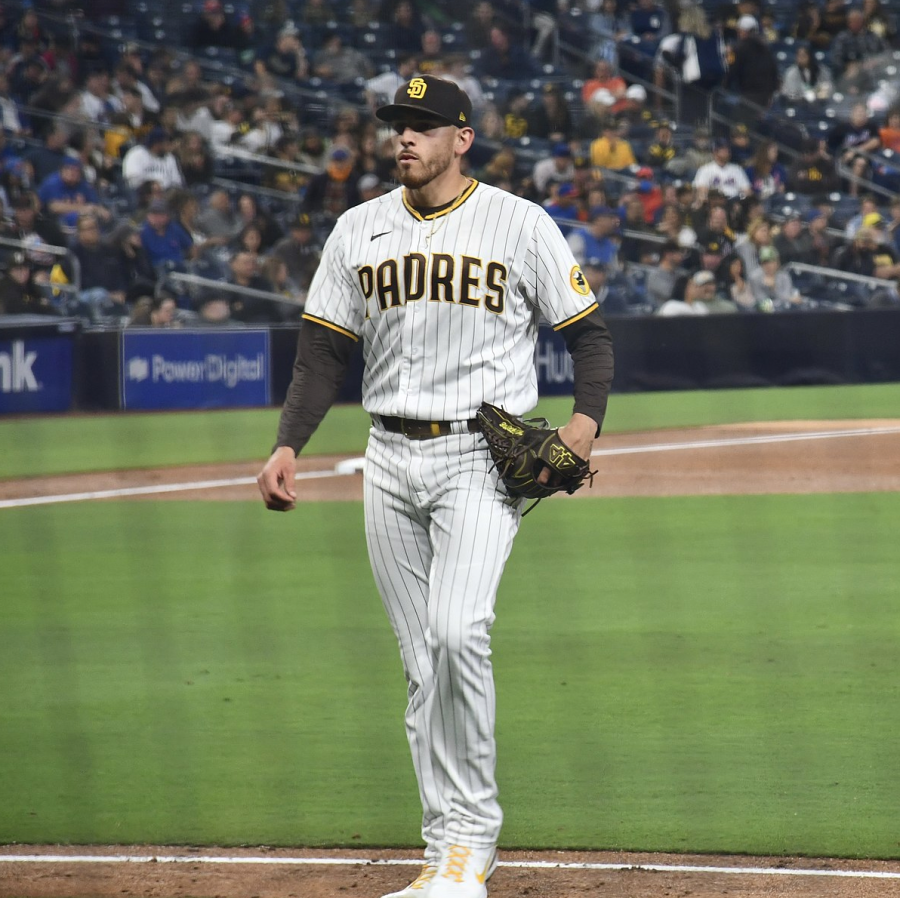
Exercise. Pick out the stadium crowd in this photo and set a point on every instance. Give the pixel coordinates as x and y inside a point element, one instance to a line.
<point>164,164</point>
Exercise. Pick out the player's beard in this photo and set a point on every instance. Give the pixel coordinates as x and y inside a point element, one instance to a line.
<point>423,172</point>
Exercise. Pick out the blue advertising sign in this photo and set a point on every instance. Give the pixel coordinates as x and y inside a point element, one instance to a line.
<point>555,370</point>
<point>36,374</point>
<point>195,369</point>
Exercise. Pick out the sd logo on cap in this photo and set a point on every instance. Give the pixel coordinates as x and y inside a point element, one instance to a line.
<point>428,97</point>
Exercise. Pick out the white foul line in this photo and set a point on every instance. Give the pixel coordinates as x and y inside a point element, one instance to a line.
<point>352,466</point>
<point>526,865</point>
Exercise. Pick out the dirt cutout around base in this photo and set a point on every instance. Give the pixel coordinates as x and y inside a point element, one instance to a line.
<point>782,457</point>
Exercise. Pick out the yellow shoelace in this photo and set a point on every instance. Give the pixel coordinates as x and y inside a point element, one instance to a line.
<point>428,873</point>
<point>457,858</point>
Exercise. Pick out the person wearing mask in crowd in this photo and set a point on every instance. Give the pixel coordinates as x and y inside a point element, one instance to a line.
<point>807,80</point>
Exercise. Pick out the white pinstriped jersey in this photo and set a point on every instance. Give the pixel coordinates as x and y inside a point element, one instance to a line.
<point>447,307</point>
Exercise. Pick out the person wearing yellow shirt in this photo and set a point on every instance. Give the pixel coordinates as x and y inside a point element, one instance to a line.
<point>610,150</point>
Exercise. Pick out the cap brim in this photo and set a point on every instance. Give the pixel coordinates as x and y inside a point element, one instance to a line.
<point>396,111</point>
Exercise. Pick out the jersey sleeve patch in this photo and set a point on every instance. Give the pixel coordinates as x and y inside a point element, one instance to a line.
<point>332,326</point>
<point>574,318</point>
<point>579,281</point>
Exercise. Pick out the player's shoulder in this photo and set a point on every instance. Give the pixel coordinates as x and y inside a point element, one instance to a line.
<point>511,203</point>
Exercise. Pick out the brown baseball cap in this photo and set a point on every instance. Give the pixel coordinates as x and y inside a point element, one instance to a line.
<point>426,95</point>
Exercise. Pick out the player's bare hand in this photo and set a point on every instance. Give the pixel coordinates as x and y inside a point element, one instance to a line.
<point>578,435</point>
<point>276,480</point>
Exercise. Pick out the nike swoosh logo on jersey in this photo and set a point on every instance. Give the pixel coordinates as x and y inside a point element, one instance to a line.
<point>376,236</point>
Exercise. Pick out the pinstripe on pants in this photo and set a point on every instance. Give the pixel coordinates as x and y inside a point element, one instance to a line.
<point>439,531</point>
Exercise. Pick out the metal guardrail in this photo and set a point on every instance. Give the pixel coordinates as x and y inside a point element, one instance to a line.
<point>196,280</point>
<point>838,275</point>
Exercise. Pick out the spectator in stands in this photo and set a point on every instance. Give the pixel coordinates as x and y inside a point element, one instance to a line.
<point>562,206</point>
<point>34,229</point>
<point>821,28</point>
<point>286,58</point>
<point>696,53</point>
<point>731,279</point>
<point>773,288</point>
<point>741,148</point>
<point>694,157</point>
<point>248,240</point>
<point>339,63</point>
<point>649,21</point>
<point>9,113</point>
<point>892,226</point>
<point>19,295</point>
<point>152,161</point>
<point>213,29</point>
<point>717,229</point>
<point>381,88</point>
<point>870,254</point>
<point>721,174</point>
<point>753,74</point>
<point>766,174</point>
<point>604,77</point>
<point>279,175</point>
<point>66,194</point>
<point>699,291</point>
<point>813,172</point>
<point>164,241</point>
<point>552,119</point>
<point>335,190</point>
<point>102,284</point>
<point>126,127</point>
<point>662,150</point>
<point>194,159</point>
<point>185,213</point>
<point>599,239</point>
<point>609,26</point>
<point>27,73</point>
<point>610,150</point>
<point>850,141</point>
<point>558,166</point>
<point>880,21</point>
<point>126,77</point>
<point>251,309</point>
<point>889,135</point>
<point>300,251</point>
<point>98,102</point>
<point>404,27</point>
<point>759,235</point>
<point>127,254</point>
<point>218,218</point>
<point>793,241</point>
<point>505,59</point>
<point>635,248</point>
<point>249,212</point>
<point>671,225</point>
<point>855,44</point>
<point>275,272</point>
<point>48,159</point>
<point>155,311</point>
<point>821,242</point>
<point>868,207</point>
<point>458,69</point>
<point>661,280</point>
<point>29,29</point>
<point>478,25</point>
<point>431,52</point>
<point>807,79</point>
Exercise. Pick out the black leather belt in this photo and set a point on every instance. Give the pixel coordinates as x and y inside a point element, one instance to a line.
<point>424,430</point>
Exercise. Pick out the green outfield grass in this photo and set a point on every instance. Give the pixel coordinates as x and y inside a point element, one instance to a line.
<point>54,445</point>
<point>701,674</point>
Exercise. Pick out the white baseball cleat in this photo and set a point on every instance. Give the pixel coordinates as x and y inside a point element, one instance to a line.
<point>464,872</point>
<point>420,887</point>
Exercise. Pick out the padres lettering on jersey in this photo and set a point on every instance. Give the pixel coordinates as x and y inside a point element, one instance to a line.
<point>475,277</point>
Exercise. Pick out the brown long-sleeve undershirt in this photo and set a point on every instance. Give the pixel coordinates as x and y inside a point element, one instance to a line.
<point>323,355</point>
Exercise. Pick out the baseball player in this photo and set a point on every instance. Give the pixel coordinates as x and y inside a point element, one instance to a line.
<point>443,281</point>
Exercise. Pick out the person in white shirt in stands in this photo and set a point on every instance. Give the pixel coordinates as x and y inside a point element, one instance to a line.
<point>381,88</point>
<point>699,290</point>
<point>558,166</point>
<point>152,161</point>
<point>721,174</point>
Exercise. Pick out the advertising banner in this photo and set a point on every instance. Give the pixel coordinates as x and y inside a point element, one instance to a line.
<point>195,369</point>
<point>555,371</point>
<point>36,374</point>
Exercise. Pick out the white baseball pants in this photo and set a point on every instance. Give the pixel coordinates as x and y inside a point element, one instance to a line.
<point>439,531</point>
